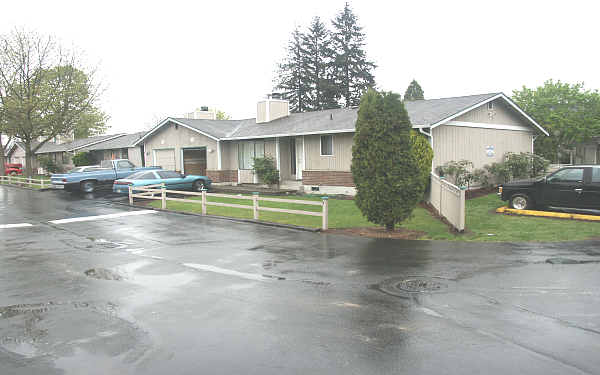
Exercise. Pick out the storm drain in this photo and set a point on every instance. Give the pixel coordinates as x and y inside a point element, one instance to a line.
<point>402,287</point>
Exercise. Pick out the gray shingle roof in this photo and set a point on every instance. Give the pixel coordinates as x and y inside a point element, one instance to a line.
<point>215,128</point>
<point>76,144</point>
<point>124,141</point>
<point>431,111</point>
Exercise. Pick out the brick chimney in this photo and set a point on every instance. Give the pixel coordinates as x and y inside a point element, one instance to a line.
<point>272,108</point>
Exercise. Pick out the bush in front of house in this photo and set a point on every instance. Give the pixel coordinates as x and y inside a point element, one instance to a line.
<point>388,176</point>
<point>48,164</point>
<point>424,154</point>
<point>460,173</point>
<point>82,159</point>
<point>266,170</point>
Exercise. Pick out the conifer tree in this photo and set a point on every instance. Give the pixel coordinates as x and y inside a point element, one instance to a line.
<point>317,46</point>
<point>292,75</point>
<point>385,168</point>
<point>414,91</point>
<point>352,70</point>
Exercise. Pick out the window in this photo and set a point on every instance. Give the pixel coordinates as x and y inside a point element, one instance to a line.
<point>169,174</point>
<point>124,164</point>
<point>490,105</point>
<point>247,151</point>
<point>567,175</point>
<point>326,145</point>
<point>596,175</point>
<point>142,176</point>
<point>65,158</point>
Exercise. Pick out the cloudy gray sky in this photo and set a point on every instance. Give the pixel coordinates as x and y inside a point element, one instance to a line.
<point>164,58</point>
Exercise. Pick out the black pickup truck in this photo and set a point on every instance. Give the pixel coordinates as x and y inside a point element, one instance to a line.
<point>575,187</point>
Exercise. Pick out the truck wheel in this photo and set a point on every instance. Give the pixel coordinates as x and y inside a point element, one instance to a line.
<point>198,185</point>
<point>88,186</point>
<point>521,202</point>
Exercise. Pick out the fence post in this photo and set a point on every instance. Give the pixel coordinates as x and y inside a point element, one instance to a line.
<point>9,180</point>
<point>163,196</point>
<point>130,195</point>
<point>442,180</point>
<point>29,181</point>
<point>325,225</point>
<point>255,204</point>
<point>42,182</point>
<point>462,213</point>
<point>204,202</point>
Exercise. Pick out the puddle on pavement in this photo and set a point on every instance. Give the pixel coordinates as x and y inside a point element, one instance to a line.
<point>57,329</point>
<point>406,287</point>
<point>569,261</point>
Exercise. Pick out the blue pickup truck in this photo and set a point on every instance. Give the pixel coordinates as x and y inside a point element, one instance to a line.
<point>109,171</point>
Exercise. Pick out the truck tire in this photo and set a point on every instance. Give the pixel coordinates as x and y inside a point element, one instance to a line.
<point>521,201</point>
<point>88,186</point>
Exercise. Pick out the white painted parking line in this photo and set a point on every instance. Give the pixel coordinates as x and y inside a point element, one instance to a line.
<point>102,217</point>
<point>223,271</point>
<point>20,225</point>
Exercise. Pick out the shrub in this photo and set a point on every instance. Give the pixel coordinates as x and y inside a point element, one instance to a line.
<point>48,164</point>
<point>387,174</point>
<point>459,172</point>
<point>424,155</point>
<point>266,170</point>
<point>82,158</point>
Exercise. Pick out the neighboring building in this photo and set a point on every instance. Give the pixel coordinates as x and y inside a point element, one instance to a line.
<point>120,147</point>
<point>313,150</point>
<point>588,152</point>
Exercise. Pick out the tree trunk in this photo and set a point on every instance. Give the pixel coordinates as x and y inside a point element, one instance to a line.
<point>28,160</point>
<point>2,160</point>
<point>389,226</point>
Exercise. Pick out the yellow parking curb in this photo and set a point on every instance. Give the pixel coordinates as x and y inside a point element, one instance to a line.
<point>559,215</point>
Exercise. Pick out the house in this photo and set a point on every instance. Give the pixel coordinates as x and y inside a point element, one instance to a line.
<point>313,150</point>
<point>120,147</point>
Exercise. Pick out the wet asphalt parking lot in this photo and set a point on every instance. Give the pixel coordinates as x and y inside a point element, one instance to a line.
<point>163,293</point>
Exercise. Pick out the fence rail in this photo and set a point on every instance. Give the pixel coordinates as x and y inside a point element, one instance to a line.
<point>20,181</point>
<point>159,192</point>
<point>448,200</point>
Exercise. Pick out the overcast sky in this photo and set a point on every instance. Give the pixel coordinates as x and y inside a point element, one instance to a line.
<point>165,58</point>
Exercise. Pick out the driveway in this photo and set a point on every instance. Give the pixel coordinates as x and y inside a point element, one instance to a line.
<point>91,287</point>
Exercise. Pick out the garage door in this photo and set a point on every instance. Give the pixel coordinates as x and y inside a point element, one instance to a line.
<point>194,162</point>
<point>165,159</point>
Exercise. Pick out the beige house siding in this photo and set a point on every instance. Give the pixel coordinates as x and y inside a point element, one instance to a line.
<point>501,114</point>
<point>229,155</point>
<point>135,156</point>
<point>170,137</point>
<point>17,156</point>
<point>339,161</point>
<point>457,143</point>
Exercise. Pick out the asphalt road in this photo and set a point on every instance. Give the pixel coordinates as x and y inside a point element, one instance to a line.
<point>161,293</point>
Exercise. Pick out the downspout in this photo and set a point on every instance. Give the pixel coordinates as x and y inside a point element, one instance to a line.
<point>533,138</point>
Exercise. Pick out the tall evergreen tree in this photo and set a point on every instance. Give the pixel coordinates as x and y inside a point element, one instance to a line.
<point>385,167</point>
<point>353,71</point>
<point>414,91</point>
<point>293,77</point>
<point>317,46</point>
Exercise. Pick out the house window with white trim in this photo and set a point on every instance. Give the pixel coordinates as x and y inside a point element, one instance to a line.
<point>326,145</point>
<point>247,151</point>
<point>490,106</point>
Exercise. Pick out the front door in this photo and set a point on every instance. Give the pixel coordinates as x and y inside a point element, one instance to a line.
<point>564,188</point>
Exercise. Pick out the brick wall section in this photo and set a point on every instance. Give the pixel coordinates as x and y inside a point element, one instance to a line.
<point>327,178</point>
<point>223,176</point>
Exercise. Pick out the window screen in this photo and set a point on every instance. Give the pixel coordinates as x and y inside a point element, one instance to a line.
<point>249,150</point>
<point>326,145</point>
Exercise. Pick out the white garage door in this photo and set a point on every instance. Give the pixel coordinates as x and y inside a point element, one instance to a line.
<point>165,159</point>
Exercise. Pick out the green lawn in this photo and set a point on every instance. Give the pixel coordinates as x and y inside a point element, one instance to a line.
<point>483,224</point>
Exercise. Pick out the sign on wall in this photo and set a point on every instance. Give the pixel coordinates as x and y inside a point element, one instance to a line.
<point>489,151</point>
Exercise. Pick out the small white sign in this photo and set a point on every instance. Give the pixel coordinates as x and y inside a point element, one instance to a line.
<point>489,151</point>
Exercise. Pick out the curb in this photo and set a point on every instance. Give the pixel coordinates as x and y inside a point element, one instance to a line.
<point>556,215</point>
<point>235,219</point>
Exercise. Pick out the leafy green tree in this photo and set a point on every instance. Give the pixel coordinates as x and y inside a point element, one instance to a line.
<point>44,90</point>
<point>385,168</point>
<point>91,122</point>
<point>414,91</point>
<point>352,70</point>
<point>424,155</point>
<point>83,158</point>
<point>318,62</point>
<point>222,115</point>
<point>293,76</point>
<point>569,112</point>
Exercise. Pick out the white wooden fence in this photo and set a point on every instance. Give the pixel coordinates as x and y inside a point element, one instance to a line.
<point>448,200</point>
<point>20,181</point>
<point>159,192</point>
